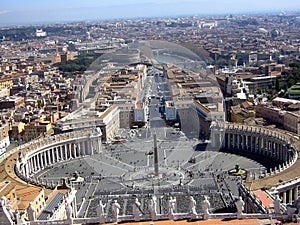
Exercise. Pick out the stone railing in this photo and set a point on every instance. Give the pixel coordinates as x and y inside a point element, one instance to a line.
<point>179,216</point>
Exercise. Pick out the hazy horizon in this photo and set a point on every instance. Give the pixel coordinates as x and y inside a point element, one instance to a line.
<point>38,12</point>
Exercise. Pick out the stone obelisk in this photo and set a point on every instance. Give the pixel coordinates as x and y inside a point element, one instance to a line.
<point>155,156</point>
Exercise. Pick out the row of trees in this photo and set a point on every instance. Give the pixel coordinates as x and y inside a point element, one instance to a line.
<point>293,77</point>
<point>281,85</point>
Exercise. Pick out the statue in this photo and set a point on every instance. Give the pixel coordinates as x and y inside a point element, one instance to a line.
<point>69,211</point>
<point>276,203</point>
<point>31,212</point>
<point>100,212</point>
<point>9,208</point>
<point>4,214</point>
<point>19,218</point>
<point>136,209</point>
<point>152,207</point>
<point>3,201</point>
<point>240,207</point>
<point>172,205</point>
<point>115,207</point>
<point>290,211</point>
<point>192,208</point>
<point>297,205</point>
<point>205,207</point>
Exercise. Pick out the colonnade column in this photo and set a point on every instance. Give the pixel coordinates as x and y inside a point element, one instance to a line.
<point>284,152</point>
<point>295,193</point>
<point>27,169</point>
<point>74,150</point>
<point>276,150</point>
<point>85,149</point>
<point>267,147</point>
<point>78,148</point>
<point>261,145</point>
<point>273,149</point>
<point>38,162</point>
<point>238,141</point>
<point>228,140</point>
<point>251,145</point>
<point>290,195</point>
<point>61,152</point>
<point>233,141</point>
<point>81,146</point>
<point>57,154</point>
<point>256,144</point>
<point>34,163</point>
<point>244,142</point>
<point>49,156</point>
<point>45,159</point>
<point>90,147</point>
<point>280,152</point>
<point>41,160</point>
<point>31,165</point>
<point>53,155</point>
<point>65,151</point>
<point>70,151</point>
<point>284,197</point>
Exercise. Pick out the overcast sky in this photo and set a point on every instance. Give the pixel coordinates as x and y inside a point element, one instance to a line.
<point>40,11</point>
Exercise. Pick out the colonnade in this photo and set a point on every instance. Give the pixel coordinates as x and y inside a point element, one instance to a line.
<point>272,144</point>
<point>289,195</point>
<point>259,144</point>
<point>58,149</point>
<point>258,140</point>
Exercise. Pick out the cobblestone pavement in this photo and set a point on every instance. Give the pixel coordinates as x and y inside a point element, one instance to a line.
<point>124,171</point>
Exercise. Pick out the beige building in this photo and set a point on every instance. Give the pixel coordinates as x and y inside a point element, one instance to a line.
<point>110,119</point>
<point>270,113</point>
<point>289,120</point>
<point>126,115</point>
<point>197,117</point>
<point>242,112</point>
<point>4,137</point>
<point>6,83</point>
<point>36,129</point>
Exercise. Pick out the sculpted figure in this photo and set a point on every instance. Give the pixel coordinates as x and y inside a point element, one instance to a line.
<point>205,207</point>
<point>172,205</point>
<point>276,203</point>
<point>136,209</point>
<point>115,210</point>
<point>297,205</point>
<point>31,212</point>
<point>192,208</point>
<point>100,211</point>
<point>152,207</point>
<point>240,207</point>
<point>69,211</point>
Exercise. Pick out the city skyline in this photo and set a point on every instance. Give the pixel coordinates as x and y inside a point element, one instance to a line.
<point>32,12</point>
<point>188,118</point>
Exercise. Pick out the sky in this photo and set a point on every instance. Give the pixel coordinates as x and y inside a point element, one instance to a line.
<point>19,12</point>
